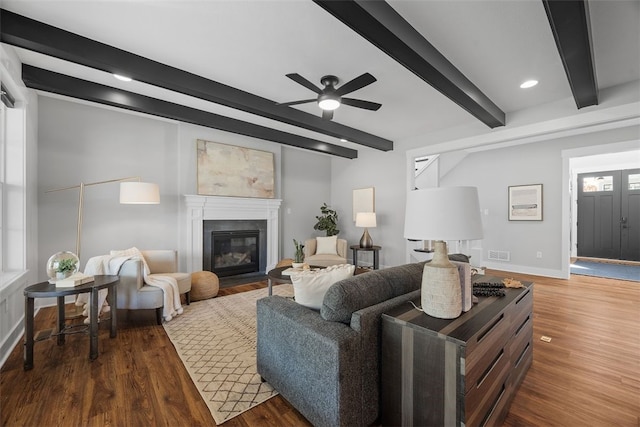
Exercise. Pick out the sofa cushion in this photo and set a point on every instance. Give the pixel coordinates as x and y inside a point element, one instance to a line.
<point>326,245</point>
<point>364,290</point>
<point>310,286</point>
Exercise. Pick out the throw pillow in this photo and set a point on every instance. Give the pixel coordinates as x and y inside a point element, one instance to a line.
<point>310,286</point>
<point>134,253</point>
<point>326,245</point>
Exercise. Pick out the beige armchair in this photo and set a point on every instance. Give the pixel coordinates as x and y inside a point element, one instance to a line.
<point>325,259</point>
<point>134,294</point>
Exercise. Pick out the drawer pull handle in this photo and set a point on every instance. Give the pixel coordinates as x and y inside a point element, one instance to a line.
<point>523,296</point>
<point>522,354</point>
<point>522,325</point>
<point>494,406</point>
<point>490,368</point>
<point>490,328</point>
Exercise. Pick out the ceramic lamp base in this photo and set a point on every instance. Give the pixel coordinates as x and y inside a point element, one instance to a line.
<point>441,295</point>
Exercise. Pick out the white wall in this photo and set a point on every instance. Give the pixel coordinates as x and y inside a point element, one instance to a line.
<point>306,183</point>
<point>537,159</point>
<point>82,142</point>
<point>385,171</point>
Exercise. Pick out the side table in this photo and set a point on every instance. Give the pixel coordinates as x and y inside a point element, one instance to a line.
<point>375,249</point>
<point>456,372</point>
<point>48,290</point>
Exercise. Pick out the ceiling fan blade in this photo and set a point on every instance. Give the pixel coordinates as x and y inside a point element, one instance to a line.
<point>304,101</point>
<point>327,114</point>
<point>304,82</point>
<point>355,84</point>
<point>367,105</point>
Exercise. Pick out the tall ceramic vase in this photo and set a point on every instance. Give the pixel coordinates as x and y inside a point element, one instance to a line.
<point>441,294</point>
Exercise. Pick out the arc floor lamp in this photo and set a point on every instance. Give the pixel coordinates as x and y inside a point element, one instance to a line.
<point>132,192</point>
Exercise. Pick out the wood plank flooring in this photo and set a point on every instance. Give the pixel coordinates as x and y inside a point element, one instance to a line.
<point>589,374</point>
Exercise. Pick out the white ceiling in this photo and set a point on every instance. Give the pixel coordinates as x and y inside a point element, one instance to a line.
<point>252,44</point>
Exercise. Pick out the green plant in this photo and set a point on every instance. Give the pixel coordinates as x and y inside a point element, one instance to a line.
<point>328,221</point>
<point>67,264</point>
<point>298,256</point>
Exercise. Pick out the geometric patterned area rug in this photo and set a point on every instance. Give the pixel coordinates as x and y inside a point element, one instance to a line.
<point>216,341</point>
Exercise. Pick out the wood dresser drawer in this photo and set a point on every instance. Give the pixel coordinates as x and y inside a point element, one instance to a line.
<point>482,349</point>
<point>481,397</point>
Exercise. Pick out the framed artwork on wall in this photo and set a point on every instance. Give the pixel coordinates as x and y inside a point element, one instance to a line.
<point>525,202</point>
<point>364,200</point>
<point>229,170</point>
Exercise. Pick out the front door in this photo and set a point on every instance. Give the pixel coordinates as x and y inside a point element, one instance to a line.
<point>609,214</point>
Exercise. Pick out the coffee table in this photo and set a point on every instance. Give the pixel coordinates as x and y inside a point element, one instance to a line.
<point>276,276</point>
<point>48,290</point>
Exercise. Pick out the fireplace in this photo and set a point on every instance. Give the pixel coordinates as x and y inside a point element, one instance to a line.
<point>234,252</point>
<point>234,247</point>
<point>202,211</point>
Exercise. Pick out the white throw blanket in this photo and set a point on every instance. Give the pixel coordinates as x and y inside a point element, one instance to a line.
<point>172,306</point>
<point>104,264</point>
<point>111,264</point>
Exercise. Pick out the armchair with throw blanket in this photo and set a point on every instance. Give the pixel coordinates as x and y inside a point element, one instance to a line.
<point>145,282</point>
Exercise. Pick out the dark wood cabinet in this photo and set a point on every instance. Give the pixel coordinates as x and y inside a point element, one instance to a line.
<point>456,372</point>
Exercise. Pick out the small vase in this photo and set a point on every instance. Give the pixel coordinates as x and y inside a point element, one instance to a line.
<point>297,264</point>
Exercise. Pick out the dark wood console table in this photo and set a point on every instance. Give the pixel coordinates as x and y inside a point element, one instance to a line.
<point>47,290</point>
<point>455,372</point>
<point>375,249</point>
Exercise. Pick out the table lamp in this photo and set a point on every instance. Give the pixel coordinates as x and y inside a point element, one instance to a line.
<point>441,214</point>
<point>366,220</point>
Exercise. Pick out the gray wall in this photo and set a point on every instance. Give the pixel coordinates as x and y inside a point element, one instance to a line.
<point>88,143</point>
<point>492,172</point>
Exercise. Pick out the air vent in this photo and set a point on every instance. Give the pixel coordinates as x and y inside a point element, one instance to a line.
<point>499,255</point>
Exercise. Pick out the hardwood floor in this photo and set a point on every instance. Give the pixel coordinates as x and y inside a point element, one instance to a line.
<point>589,374</point>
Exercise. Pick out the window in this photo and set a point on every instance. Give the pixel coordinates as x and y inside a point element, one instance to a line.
<point>597,183</point>
<point>12,185</point>
<point>634,181</point>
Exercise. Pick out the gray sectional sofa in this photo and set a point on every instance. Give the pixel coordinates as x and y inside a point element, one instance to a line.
<point>327,363</point>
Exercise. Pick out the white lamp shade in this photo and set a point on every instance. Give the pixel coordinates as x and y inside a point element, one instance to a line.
<point>443,213</point>
<point>139,193</point>
<point>366,219</point>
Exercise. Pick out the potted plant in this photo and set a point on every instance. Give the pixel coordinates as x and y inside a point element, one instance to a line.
<point>328,221</point>
<point>65,268</point>
<point>298,256</point>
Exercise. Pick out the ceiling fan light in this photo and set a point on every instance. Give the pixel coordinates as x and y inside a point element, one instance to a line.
<point>328,102</point>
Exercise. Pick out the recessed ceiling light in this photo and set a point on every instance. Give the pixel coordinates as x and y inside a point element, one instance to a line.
<point>343,140</point>
<point>123,78</point>
<point>528,84</point>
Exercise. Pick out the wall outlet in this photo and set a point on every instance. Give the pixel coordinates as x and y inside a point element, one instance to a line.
<point>538,254</point>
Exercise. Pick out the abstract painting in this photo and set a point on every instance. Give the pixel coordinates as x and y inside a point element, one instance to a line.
<point>229,170</point>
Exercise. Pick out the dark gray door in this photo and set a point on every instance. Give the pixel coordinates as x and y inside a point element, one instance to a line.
<point>609,214</point>
<point>630,216</point>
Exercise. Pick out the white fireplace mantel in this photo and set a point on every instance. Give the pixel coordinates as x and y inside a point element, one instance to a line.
<point>204,208</point>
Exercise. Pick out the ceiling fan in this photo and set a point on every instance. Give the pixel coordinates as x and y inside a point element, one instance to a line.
<point>329,98</point>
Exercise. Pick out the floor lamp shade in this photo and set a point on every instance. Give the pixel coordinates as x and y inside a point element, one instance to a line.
<point>443,213</point>
<point>139,193</point>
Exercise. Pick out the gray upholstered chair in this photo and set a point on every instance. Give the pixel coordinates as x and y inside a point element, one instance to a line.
<point>134,294</point>
<point>325,260</point>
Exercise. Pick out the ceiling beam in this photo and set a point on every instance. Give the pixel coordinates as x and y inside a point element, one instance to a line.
<point>61,84</point>
<point>381,25</point>
<point>18,30</point>
<point>569,20</point>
